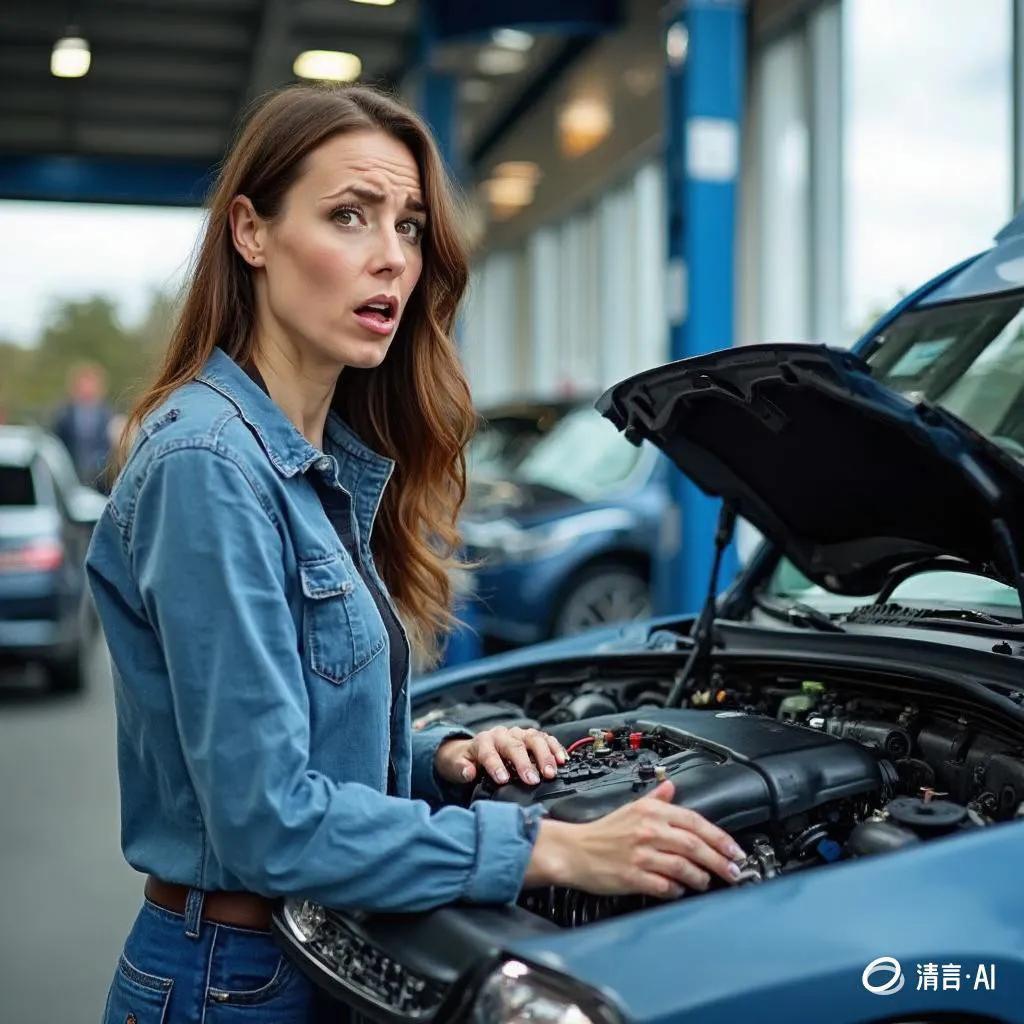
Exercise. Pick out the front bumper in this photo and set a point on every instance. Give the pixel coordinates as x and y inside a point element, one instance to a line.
<point>397,968</point>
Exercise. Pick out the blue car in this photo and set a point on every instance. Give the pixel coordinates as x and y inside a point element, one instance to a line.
<point>46,520</point>
<point>851,709</point>
<point>565,539</point>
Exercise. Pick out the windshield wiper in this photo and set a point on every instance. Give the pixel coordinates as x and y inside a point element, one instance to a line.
<point>892,614</point>
<point>803,616</point>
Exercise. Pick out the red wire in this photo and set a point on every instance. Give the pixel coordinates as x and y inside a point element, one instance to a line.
<point>585,741</point>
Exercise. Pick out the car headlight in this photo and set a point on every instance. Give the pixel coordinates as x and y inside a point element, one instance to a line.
<point>538,542</point>
<point>517,993</point>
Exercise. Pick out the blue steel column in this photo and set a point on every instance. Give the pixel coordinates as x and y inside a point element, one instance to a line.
<point>438,92</point>
<point>439,107</point>
<point>706,60</point>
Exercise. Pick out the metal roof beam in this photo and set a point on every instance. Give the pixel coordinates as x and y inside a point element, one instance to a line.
<point>271,64</point>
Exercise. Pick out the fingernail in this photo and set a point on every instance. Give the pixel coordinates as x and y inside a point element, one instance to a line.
<point>549,770</point>
<point>736,852</point>
<point>734,870</point>
<point>502,775</point>
<point>467,773</point>
<point>532,778</point>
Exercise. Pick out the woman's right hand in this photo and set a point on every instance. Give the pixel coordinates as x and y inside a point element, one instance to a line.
<point>650,846</point>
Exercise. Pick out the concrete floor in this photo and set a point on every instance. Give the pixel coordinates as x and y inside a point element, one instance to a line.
<point>68,898</point>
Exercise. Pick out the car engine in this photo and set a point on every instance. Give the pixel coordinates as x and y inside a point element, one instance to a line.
<point>801,775</point>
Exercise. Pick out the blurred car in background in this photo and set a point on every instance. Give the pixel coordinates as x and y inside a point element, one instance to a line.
<point>507,432</point>
<point>564,526</point>
<point>46,519</point>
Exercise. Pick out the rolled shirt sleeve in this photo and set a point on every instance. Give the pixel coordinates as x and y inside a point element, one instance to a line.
<point>215,593</point>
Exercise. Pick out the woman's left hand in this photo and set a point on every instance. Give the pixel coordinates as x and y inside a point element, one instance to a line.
<point>526,750</point>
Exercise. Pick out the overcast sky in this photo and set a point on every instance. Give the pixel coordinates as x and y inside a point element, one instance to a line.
<point>927,157</point>
<point>58,250</point>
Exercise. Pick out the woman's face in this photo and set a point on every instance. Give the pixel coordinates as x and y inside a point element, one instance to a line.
<point>338,263</point>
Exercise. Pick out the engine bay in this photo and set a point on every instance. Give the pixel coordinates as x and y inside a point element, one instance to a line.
<point>803,773</point>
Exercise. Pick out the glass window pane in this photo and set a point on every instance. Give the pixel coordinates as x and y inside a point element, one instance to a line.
<point>928,149</point>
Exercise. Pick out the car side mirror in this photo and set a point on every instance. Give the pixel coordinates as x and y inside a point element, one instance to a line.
<point>85,506</point>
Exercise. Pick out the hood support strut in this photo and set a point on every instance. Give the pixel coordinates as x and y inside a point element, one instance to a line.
<point>1004,538</point>
<point>703,629</point>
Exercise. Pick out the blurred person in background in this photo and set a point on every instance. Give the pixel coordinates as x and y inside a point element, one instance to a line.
<point>84,423</point>
<point>277,552</point>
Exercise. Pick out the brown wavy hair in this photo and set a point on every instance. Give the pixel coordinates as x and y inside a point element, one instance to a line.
<point>415,407</point>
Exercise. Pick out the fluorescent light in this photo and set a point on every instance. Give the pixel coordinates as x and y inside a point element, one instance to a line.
<point>512,39</point>
<point>328,66</point>
<point>494,61</point>
<point>375,3</point>
<point>70,58</point>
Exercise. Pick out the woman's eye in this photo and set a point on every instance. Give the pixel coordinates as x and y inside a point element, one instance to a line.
<point>413,228</point>
<point>349,212</point>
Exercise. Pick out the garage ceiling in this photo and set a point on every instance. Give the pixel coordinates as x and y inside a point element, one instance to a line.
<point>169,77</point>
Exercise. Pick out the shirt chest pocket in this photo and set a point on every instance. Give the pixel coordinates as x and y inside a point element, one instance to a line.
<point>342,628</point>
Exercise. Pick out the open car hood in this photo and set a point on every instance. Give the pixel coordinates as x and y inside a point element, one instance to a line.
<point>848,478</point>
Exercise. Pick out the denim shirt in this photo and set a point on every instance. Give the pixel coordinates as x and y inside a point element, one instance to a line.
<point>255,720</point>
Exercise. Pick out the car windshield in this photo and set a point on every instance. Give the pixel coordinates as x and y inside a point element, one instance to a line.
<point>584,456</point>
<point>501,444</point>
<point>967,357</point>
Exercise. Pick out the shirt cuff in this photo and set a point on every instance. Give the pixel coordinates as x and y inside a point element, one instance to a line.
<point>426,783</point>
<point>505,837</point>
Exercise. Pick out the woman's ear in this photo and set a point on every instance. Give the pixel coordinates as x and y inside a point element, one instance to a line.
<point>247,231</point>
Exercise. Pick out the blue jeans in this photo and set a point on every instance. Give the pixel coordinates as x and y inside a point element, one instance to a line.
<point>180,969</point>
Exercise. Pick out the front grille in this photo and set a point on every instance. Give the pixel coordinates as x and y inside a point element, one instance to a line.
<point>373,975</point>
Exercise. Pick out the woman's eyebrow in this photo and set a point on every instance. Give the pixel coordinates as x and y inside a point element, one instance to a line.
<point>371,195</point>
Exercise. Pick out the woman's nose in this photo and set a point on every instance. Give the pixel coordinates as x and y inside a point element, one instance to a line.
<point>390,257</point>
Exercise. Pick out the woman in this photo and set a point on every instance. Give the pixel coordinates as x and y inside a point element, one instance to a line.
<point>280,535</point>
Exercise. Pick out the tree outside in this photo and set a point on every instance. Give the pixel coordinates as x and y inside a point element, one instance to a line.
<point>33,380</point>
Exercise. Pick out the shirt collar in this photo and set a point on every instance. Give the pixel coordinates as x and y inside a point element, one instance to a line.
<point>286,448</point>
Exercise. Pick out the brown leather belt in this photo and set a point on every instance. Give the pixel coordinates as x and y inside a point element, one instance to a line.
<point>241,909</point>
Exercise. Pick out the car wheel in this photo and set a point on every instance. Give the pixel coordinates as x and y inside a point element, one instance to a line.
<point>66,675</point>
<point>603,594</point>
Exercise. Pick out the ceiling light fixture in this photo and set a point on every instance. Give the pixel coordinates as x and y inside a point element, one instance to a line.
<point>511,187</point>
<point>512,39</point>
<point>525,170</point>
<point>375,3</point>
<point>328,66</point>
<point>583,123</point>
<point>70,57</point>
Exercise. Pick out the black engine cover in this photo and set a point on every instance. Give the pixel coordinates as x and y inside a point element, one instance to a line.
<point>737,770</point>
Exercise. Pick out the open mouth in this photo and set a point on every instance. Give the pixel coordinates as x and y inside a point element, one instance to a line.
<point>379,313</point>
<point>377,316</point>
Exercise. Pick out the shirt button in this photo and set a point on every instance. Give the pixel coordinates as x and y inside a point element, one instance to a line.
<point>324,463</point>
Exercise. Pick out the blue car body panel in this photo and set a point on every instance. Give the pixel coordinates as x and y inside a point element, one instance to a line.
<point>795,950</point>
